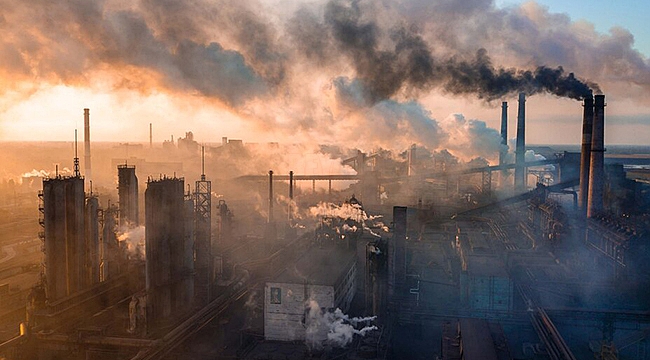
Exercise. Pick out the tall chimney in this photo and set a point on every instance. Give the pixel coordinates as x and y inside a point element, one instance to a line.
<point>585,152</point>
<point>411,160</point>
<point>290,196</point>
<point>597,171</point>
<point>87,144</point>
<point>270,196</point>
<point>150,135</point>
<point>520,159</point>
<point>504,133</point>
<point>290,185</point>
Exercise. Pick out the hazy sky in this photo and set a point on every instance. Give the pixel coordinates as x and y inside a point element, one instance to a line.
<point>605,14</point>
<point>273,71</point>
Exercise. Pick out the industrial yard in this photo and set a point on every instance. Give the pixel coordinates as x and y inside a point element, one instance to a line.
<point>324,179</point>
<point>412,258</point>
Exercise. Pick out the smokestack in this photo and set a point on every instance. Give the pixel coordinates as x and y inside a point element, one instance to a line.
<point>270,196</point>
<point>291,185</point>
<point>597,171</point>
<point>87,144</point>
<point>504,133</point>
<point>150,135</point>
<point>520,159</point>
<point>411,160</point>
<point>290,196</point>
<point>585,153</point>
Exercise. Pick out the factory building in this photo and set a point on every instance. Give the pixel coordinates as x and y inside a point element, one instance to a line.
<point>326,276</point>
<point>92,247</point>
<point>127,191</point>
<point>473,339</point>
<point>65,244</point>
<point>484,282</point>
<point>168,273</point>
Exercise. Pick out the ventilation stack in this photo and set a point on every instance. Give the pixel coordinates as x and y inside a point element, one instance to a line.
<point>87,145</point>
<point>596,170</point>
<point>504,133</point>
<point>520,152</point>
<point>585,152</point>
<point>412,156</point>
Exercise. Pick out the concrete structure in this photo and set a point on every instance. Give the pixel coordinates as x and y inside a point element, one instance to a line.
<point>167,271</point>
<point>585,152</point>
<point>63,219</point>
<point>127,190</point>
<point>324,276</point>
<point>485,285</point>
<point>597,159</point>
<point>92,248</point>
<point>504,133</point>
<point>111,255</point>
<point>397,251</point>
<point>520,152</point>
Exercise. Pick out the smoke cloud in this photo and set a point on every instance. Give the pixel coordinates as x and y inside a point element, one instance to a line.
<point>132,239</point>
<point>333,328</point>
<point>328,70</point>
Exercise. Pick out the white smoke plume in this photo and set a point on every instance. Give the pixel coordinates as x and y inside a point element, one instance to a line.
<point>132,239</point>
<point>334,329</point>
<point>349,211</point>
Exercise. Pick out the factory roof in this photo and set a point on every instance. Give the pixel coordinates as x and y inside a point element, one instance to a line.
<point>483,265</point>
<point>319,266</point>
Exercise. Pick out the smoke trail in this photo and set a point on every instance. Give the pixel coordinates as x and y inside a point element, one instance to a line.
<point>409,64</point>
<point>332,328</point>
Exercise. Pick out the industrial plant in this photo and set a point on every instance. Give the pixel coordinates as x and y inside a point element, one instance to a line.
<point>410,256</point>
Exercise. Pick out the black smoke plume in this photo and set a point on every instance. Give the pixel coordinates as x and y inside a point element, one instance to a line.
<point>408,63</point>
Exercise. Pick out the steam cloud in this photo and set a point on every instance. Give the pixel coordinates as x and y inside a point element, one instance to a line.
<point>335,329</point>
<point>274,67</point>
<point>133,240</point>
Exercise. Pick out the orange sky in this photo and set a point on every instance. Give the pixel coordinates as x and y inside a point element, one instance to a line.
<point>45,101</point>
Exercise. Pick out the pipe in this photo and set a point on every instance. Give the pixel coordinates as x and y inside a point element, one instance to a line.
<point>270,196</point>
<point>504,132</point>
<point>87,144</point>
<point>290,196</point>
<point>597,171</point>
<point>585,153</point>
<point>291,185</point>
<point>520,158</point>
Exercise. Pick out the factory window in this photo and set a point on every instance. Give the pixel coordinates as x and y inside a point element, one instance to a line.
<point>276,295</point>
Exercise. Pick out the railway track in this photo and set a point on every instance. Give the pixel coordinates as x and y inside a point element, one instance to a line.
<point>546,331</point>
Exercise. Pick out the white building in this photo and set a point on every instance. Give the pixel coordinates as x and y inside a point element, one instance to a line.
<point>326,276</point>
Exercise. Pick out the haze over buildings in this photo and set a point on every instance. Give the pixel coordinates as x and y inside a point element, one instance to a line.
<point>332,179</point>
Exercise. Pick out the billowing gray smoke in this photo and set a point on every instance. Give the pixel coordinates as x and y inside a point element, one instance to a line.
<point>407,61</point>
